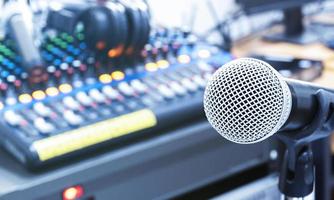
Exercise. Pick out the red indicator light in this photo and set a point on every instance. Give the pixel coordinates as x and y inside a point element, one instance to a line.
<point>100,45</point>
<point>73,193</point>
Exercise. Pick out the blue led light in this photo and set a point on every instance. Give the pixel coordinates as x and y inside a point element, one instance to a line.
<point>55,50</point>
<point>57,62</point>
<point>82,45</point>
<point>76,52</point>
<point>69,59</point>
<point>49,57</point>
<point>18,71</point>
<point>11,65</point>
<point>5,61</point>
<point>70,48</point>
<point>4,74</point>
<point>44,53</point>
<point>18,59</point>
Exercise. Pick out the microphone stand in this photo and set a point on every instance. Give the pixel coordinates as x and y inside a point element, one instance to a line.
<point>297,172</point>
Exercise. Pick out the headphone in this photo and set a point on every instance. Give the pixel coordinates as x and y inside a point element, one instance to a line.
<point>113,27</point>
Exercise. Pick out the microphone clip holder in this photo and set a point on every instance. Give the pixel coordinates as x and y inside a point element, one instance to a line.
<point>297,171</point>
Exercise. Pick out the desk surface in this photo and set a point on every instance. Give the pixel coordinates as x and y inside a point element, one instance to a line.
<point>255,45</point>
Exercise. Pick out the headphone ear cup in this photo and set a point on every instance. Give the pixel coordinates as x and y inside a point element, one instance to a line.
<point>115,32</point>
<point>133,19</point>
<point>98,24</point>
<point>145,22</point>
<point>122,29</point>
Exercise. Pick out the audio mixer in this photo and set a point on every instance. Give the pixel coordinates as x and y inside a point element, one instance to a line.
<point>86,92</point>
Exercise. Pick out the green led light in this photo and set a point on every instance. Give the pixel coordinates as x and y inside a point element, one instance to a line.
<point>63,35</point>
<point>69,39</point>
<point>58,41</point>
<point>63,45</point>
<point>12,55</point>
<point>53,39</point>
<point>49,47</point>
<point>80,36</point>
<point>1,58</point>
<point>7,52</point>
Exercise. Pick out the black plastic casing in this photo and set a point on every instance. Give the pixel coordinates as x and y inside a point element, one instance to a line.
<point>304,104</point>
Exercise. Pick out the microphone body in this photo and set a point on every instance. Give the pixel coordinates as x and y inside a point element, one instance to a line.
<point>247,101</point>
<point>304,104</point>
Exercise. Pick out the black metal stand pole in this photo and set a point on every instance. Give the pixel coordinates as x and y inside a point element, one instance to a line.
<point>323,165</point>
<point>298,167</point>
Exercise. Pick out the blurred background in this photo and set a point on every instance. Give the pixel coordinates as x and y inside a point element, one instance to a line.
<point>103,99</point>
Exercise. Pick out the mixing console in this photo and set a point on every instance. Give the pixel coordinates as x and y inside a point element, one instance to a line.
<point>86,100</point>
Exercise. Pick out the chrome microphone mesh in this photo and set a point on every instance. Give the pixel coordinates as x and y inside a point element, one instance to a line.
<point>247,101</point>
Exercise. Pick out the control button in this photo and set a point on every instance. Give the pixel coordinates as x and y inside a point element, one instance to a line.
<point>132,105</point>
<point>166,92</point>
<point>52,91</point>
<point>43,126</point>
<point>90,115</point>
<point>65,88</point>
<point>147,101</point>
<point>199,81</point>
<point>207,76</point>
<point>111,92</point>
<point>177,88</point>
<point>29,131</point>
<point>104,111</point>
<point>71,103</point>
<point>105,78</point>
<point>29,114</point>
<point>41,109</point>
<point>58,106</point>
<point>72,118</point>
<point>13,118</point>
<point>156,96</point>
<point>139,86</point>
<point>11,101</point>
<point>97,95</point>
<point>126,89</point>
<point>118,75</point>
<point>25,98</point>
<point>60,123</point>
<point>205,67</point>
<point>189,85</point>
<point>84,99</point>
<point>119,108</point>
<point>38,95</point>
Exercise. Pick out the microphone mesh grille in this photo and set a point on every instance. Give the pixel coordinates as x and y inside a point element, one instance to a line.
<point>247,101</point>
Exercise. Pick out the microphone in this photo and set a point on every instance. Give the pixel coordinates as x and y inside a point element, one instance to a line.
<point>247,101</point>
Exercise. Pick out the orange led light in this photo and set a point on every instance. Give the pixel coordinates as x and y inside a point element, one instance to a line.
<point>163,64</point>
<point>112,53</point>
<point>52,91</point>
<point>117,75</point>
<point>151,67</point>
<point>38,94</point>
<point>105,78</point>
<point>25,98</point>
<point>183,59</point>
<point>1,105</point>
<point>73,193</point>
<point>65,88</point>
